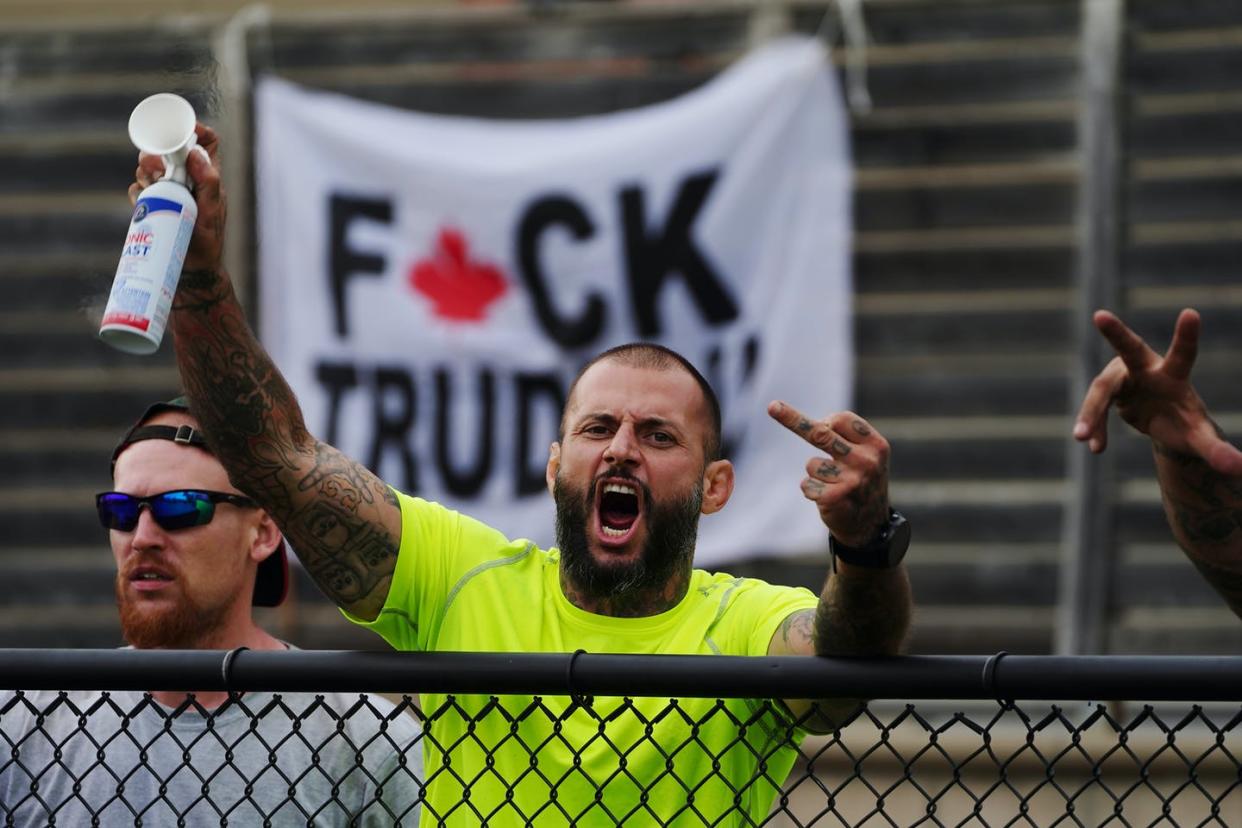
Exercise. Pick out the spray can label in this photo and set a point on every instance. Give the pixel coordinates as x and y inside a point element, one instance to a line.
<point>150,266</point>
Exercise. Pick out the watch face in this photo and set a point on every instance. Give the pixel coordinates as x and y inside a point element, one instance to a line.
<point>899,538</point>
<point>886,551</point>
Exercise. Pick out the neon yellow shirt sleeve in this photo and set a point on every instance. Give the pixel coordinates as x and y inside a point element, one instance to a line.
<point>438,547</point>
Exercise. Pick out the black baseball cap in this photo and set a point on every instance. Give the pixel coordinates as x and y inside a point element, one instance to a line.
<point>271,583</point>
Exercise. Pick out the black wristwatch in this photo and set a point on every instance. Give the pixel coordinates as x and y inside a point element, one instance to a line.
<point>883,552</point>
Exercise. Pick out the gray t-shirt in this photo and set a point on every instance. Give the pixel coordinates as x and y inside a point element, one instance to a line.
<point>121,758</point>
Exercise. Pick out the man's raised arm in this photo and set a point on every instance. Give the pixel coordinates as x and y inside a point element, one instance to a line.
<point>343,521</point>
<point>1199,471</point>
<point>864,608</point>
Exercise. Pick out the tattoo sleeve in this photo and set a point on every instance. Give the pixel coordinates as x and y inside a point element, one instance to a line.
<point>860,612</point>
<point>342,521</point>
<point>863,612</point>
<point>1204,510</point>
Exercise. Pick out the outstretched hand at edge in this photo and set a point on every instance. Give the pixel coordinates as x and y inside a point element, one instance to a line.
<point>1153,393</point>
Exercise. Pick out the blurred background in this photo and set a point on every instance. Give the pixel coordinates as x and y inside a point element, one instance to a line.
<point>1020,163</point>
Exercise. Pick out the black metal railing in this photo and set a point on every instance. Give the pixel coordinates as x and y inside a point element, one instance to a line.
<point>592,739</point>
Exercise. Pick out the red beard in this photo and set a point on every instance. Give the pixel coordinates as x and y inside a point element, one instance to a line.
<point>182,625</point>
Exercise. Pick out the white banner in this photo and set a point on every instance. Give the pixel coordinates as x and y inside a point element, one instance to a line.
<point>430,285</point>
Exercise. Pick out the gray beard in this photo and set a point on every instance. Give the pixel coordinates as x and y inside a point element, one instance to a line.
<point>672,529</point>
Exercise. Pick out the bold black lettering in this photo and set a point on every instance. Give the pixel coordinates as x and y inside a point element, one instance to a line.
<point>652,256</point>
<point>530,389</point>
<point>538,217</point>
<point>344,263</point>
<point>468,481</point>
<point>337,377</point>
<point>392,427</point>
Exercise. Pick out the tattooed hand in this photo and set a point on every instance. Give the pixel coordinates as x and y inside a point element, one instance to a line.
<point>207,244</point>
<point>862,611</point>
<point>1197,468</point>
<point>1154,395</point>
<point>850,484</point>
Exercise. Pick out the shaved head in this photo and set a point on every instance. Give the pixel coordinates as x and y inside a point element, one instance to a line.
<point>654,357</point>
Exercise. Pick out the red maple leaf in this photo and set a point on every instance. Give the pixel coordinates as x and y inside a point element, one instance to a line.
<point>460,289</point>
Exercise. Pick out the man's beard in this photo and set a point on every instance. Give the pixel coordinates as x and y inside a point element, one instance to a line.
<point>671,532</point>
<point>183,625</point>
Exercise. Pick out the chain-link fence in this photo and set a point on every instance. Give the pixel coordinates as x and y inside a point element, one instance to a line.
<point>614,740</point>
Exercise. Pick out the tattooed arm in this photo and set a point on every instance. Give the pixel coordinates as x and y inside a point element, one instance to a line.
<point>1204,508</point>
<point>341,520</point>
<point>1199,471</point>
<point>861,611</point>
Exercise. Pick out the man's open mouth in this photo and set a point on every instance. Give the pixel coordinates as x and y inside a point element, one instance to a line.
<point>147,578</point>
<point>619,507</point>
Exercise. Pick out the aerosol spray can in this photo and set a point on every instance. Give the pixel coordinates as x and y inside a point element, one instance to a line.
<point>159,231</point>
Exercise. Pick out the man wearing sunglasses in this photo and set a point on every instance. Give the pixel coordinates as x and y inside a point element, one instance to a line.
<point>193,557</point>
<point>638,461</point>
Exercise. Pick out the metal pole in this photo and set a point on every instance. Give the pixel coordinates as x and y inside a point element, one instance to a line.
<point>1004,677</point>
<point>1088,566</point>
<point>229,45</point>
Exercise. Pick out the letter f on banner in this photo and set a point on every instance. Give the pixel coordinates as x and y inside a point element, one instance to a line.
<point>344,262</point>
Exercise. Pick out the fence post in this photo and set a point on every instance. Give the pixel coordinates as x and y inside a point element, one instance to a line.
<point>1087,572</point>
<point>229,45</point>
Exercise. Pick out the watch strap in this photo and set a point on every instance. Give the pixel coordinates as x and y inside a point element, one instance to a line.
<point>885,551</point>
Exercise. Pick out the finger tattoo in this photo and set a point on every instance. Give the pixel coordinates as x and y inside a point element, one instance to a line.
<point>861,428</point>
<point>840,447</point>
<point>813,487</point>
<point>804,426</point>
<point>828,470</point>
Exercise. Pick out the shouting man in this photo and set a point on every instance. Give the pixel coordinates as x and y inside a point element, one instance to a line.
<point>637,462</point>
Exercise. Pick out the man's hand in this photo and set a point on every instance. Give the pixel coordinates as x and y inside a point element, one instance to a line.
<point>1154,395</point>
<point>861,611</point>
<point>207,245</point>
<point>850,484</point>
<point>1196,467</point>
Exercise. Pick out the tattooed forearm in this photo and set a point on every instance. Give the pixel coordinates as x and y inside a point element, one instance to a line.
<point>342,521</point>
<point>248,412</point>
<point>349,558</point>
<point>349,484</point>
<point>200,290</point>
<point>860,613</point>
<point>1199,526</point>
<point>1226,581</point>
<point>863,613</point>
<point>1204,507</point>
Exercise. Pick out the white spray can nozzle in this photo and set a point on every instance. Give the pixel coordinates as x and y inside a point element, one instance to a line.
<point>163,125</point>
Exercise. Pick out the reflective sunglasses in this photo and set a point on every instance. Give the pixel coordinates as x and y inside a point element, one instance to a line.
<point>178,509</point>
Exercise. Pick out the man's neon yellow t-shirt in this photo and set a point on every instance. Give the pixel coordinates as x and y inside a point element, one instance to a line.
<point>460,585</point>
